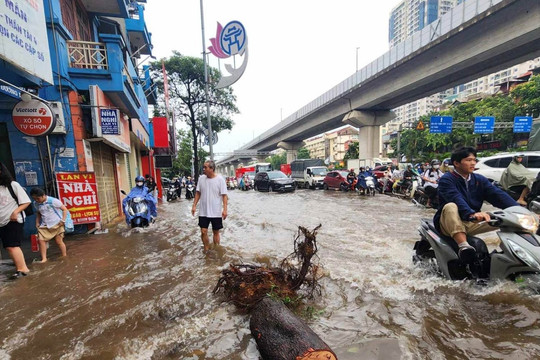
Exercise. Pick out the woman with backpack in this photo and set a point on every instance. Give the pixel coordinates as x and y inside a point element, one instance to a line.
<point>50,221</point>
<point>13,202</point>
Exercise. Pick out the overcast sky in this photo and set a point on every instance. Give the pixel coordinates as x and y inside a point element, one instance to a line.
<point>298,49</point>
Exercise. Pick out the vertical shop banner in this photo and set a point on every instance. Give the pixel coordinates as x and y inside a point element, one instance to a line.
<point>78,192</point>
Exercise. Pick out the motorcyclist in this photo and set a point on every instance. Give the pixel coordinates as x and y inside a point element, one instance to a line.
<point>431,180</point>
<point>361,183</point>
<point>461,196</point>
<point>178,184</point>
<point>351,176</point>
<point>408,175</point>
<point>517,178</point>
<point>140,190</point>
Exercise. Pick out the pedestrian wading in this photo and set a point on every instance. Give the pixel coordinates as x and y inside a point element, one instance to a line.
<point>278,332</point>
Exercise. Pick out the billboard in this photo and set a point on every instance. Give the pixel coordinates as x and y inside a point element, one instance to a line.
<point>23,37</point>
<point>78,192</point>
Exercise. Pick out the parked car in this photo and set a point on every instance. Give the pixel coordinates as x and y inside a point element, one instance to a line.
<point>273,181</point>
<point>492,167</point>
<point>335,179</point>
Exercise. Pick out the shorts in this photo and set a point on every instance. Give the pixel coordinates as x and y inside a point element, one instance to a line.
<point>47,234</point>
<point>12,234</point>
<point>217,223</point>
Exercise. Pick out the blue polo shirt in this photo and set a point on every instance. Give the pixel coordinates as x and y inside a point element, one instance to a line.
<point>469,195</point>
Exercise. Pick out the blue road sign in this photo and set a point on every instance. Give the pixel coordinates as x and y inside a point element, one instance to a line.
<point>440,125</point>
<point>522,124</point>
<point>484,124</point>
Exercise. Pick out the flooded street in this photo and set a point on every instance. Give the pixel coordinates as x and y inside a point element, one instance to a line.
<point>148,295</point>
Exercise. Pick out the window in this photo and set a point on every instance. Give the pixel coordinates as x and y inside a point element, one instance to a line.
<point>492,162</point>
<point>75,18</point>
<point>505,161</point>
<point>533,162</point>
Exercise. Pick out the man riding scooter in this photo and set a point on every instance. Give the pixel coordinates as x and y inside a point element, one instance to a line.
<point>461,196</point>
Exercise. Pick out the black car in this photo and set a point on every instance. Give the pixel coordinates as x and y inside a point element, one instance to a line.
<point>273,181</point>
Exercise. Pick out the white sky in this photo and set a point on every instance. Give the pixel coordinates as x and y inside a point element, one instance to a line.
<point>298,49</point>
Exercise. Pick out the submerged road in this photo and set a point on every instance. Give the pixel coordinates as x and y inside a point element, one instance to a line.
<point>148,294</point>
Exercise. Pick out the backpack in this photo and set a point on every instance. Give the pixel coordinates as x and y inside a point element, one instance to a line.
<point>29,209</point>
<point>68,225</point>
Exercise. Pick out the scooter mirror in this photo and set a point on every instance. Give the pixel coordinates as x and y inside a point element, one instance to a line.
<point>123,192</point>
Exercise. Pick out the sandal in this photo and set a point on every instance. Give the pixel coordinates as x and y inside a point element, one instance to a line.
<point>18,274</point>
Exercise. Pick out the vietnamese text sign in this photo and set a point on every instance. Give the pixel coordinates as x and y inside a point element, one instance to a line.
<point>23,37</point>
<point>440,125</point>
<point>109,122</point>
<point>522,124</point>
<point>33,118</point>
<point>484,124</point>
<point>78,192</point>
<point>10,91</point>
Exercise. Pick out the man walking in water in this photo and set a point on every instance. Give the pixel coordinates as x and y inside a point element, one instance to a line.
<point>212,191</point>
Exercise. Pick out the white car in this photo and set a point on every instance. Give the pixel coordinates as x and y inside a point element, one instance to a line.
<point>492,167</point>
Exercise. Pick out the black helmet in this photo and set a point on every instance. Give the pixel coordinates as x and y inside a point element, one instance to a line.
<point>435,162</point>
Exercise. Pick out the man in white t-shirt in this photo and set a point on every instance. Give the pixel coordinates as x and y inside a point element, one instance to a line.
<point>212,192</point>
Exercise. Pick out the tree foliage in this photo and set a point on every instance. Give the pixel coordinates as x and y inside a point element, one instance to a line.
<point>183,161</point>
<point>277,159</point>
<point>527,97</point>
<point>303,153</point>
<point>188,100</point>
<point>421,145</point>
<point>352,151</point>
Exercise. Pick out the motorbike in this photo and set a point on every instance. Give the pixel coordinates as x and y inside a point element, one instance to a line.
<point>518,258</point>
<point>137,212</point>
<point>172,193</point>
<point>532,198</point>
<point>421,198</point>
<point>348,186</point>
<point>384,188</point>
<point>405,188</point>
<point>190,191</point>
<point>370,186</point>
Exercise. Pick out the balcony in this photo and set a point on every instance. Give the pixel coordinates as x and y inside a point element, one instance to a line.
<point>139,37</point>
<point>102,64</point>
<point>116,8</point>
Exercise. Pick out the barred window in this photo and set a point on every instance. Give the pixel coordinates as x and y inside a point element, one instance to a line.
<point>75,18</point>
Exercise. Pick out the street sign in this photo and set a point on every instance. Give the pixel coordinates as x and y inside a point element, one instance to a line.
<point>440,125</point>
<point>420,126</point>
<point>484,124</point>
<point>33,118</point>
<point>522,124</point>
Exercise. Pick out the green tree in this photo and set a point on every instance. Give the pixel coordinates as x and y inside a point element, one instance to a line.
<point>277,159</point>
<point>303,153</point>
<point>352,151</point>
<point>183,161</point>
<point>527,97</point>
<point>188,99</point>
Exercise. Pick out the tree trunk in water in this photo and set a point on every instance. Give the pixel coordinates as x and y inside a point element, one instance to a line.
<point>280,335</point>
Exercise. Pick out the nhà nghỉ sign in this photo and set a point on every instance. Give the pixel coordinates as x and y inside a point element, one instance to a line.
<point>78,192</point>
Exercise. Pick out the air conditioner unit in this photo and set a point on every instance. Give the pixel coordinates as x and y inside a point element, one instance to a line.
<point>58,113</point>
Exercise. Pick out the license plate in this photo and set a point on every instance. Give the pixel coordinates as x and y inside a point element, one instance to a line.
<point>288,185</point>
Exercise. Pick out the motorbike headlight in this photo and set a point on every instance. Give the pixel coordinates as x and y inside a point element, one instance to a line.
<point>528,222</point>
<point>142,207</point>
<point>524,255</point>
<point>138,199</point>
<point>130,210</point>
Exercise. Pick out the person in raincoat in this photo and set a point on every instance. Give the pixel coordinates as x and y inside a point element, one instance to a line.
<point>141,191</point>
<point>518,178</point>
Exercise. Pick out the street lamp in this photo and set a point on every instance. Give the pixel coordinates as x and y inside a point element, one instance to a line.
<point>357,59</point>
<point>210,133</point>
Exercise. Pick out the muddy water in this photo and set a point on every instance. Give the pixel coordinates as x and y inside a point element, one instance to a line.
<point>148,295</point>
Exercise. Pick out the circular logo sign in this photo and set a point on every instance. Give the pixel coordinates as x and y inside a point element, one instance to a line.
<point>233,38</point>
<point>33,118</point>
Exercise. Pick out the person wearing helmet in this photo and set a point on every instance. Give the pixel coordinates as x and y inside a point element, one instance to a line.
<point>431,181</point>
<point>445,167</point>
<point>140,190</point>
<point>351,176</point>
<point>517,178</point>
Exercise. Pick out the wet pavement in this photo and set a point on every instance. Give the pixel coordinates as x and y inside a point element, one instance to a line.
<point>148,294</point>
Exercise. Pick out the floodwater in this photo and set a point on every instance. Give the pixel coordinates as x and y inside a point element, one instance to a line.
<point>148,295</point>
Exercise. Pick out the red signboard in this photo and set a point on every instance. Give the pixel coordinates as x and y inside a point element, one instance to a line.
<point>161,132</point>
<point>78,192</point>
<point>33,118</point>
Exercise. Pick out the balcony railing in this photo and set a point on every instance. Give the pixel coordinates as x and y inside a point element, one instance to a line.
<point>87,55</point>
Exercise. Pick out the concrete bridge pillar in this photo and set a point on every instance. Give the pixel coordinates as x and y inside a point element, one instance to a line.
<point>369,123</point>
<point>292,149</point>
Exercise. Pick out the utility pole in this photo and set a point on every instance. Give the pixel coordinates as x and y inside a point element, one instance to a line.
<point>210,133</point>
